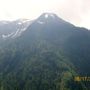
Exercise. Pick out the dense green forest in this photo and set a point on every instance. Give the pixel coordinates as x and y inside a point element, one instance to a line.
<point>46,57</point>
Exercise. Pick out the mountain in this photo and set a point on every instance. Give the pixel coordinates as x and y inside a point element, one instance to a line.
<point>12,29</point>
<point>48,55</point>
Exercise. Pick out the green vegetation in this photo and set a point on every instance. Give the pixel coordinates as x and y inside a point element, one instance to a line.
<point>46,57</point>
<point>39,67</point>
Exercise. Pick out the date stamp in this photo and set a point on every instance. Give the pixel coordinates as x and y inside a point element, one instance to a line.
<point>81,78</point>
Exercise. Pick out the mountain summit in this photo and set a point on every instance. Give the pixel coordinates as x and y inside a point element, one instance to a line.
<point>50,17</point>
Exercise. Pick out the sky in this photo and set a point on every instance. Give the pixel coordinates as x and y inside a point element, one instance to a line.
<point>76,12</point>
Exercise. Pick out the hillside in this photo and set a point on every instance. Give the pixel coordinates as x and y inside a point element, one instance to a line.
<point>48,55</point>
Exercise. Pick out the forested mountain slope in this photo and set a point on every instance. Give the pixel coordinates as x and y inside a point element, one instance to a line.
<point>46,56</point>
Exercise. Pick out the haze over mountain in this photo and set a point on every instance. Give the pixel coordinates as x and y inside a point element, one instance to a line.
<point>47,55</point>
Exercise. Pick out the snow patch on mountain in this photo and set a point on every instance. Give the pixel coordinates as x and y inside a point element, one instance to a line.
<point>53,16</point>
<point>46,15</point>
<point>7,36</point>
<point>18,27</point>
<point>40,22</point>
<point>19,23</point>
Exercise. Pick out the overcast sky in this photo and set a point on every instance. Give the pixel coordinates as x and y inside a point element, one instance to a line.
<point>75,11</point>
